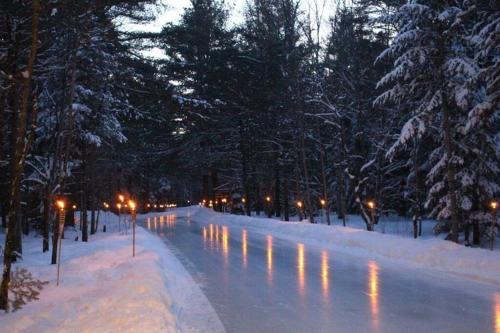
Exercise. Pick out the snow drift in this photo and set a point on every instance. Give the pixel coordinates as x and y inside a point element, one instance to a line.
<point>436,254</point>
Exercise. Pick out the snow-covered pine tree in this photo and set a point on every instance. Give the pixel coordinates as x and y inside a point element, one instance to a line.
<point>432,64</point>
<point>480,99</point>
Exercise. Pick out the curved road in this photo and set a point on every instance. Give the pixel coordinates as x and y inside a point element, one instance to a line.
<point>259,283</point>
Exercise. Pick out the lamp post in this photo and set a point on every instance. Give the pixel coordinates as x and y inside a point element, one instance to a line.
<point>268,201</point>
<point>299,206</point>
<point>131,205</point>
<point>60,205</point>
<point>119,206</point>
<point>371,205</point>
<point>224,202</point>
<point>325,213</point>
<point>106,219</point>
<point>494,206</point>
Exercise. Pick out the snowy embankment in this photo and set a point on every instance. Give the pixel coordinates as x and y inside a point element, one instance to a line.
<point>104,289</point>
<point>435,254</point>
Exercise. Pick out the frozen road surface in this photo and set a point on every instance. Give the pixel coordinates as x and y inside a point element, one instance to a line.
<point>259,283</point>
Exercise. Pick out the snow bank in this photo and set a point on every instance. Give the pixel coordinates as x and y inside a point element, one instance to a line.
<point>104,289</point>
<point>436,254</point>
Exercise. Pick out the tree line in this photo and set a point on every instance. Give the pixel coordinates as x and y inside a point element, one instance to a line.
<point>397,106</point>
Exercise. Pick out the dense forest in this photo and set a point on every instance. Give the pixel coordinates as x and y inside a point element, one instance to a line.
<point>394,111</point>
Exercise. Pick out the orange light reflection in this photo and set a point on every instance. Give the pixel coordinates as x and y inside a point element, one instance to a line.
<point>325,272</point>
<point>497,313</point>
<point>301,267</point>
<point>244,248</point>
<point>373,286</point>
<point>225,243</point>
<point>269,258</point>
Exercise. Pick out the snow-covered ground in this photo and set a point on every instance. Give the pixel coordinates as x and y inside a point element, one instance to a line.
<point>388,224</point>
<point>429,253</point>
<point>104,289</point>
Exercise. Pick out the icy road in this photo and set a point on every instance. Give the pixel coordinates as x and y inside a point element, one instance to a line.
<point>259,283</point>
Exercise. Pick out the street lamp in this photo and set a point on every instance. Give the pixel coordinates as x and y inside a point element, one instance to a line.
<point>106,219</point>
<point>494,207</point>
<point>326,213</point>
<point>132,206</point>
<point>60,204</point>
<point>371,205</point>
<point>121,197</point>
<point>299,206</point>
<point>269,209</point>
<point>119,206</point>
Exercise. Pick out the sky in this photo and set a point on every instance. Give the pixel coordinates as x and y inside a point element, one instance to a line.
<point>172,10</point>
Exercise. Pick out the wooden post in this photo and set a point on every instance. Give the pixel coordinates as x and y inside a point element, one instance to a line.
<point>61,226</point>
<point>134,217</point>
<point>493,224</point>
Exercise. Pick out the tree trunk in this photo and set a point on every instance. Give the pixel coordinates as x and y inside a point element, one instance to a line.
<point>18,160</point>
<point>306,178</point>
<point>85,230</point>
<point>417,214</point>
<point>258,201</point>
<point>277,188</point>
<point>326,206</point>
<point>340,197</point>
<point>297,187</point>
<point>4,215</point>
<point>286,206</point>
<point>476,237</point>
<point>450,173</point>
<point>55,238</point>
<point>46,223</point>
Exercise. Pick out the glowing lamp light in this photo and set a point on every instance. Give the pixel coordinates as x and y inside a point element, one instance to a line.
<point>243,200</point>
<point>121,197</point>
<point>494,205</point>
<point>119,205</point>
<point>216,202</point>
<point>156,206</point>
<point>131,205</point>
<point>371,204</point>
<point>224,200</point>
<point>74,206</point>
<point>60,204</point>
<point>299,204</point>
<point>268,199</point>
<point>149,205</point>
<point>323,202</point>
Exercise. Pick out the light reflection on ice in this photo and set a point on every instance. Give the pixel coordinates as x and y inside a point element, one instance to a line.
<point>497,313</point>
<point>325,272</point>
<point>373,293</point>
<point>269,252</point>
<point>244,247</point>
<point>225,243</point>
<point>301,264</point>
